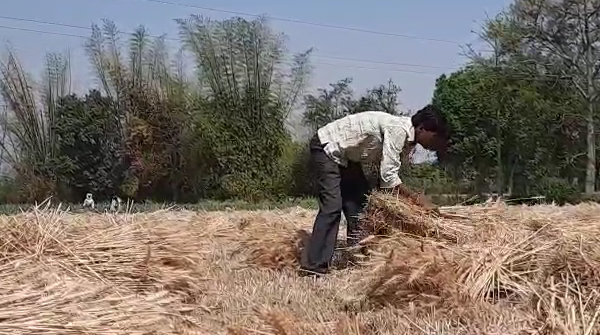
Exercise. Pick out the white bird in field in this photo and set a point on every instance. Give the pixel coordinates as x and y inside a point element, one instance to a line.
<point>115,204</point>
<point>88,201</point>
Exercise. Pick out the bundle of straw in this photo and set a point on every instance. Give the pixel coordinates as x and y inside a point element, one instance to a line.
<point>387,213</point>
<point>274,251</point>
<point>549,262</point>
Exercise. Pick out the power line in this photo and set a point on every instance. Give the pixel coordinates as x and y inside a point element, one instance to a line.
<point>41,31</point>
<point>323,25</point>
<point>525,75</point>
<point>318,63</point>
<point>388,63</point>
<point>374,68</point>
<point>66,25</point>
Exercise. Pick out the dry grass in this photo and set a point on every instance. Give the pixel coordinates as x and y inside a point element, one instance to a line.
<point>487,270</point>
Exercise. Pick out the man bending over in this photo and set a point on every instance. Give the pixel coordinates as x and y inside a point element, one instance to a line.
<point>337,151</point>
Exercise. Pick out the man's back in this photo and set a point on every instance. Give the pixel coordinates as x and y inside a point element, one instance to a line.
<point>360,135</point>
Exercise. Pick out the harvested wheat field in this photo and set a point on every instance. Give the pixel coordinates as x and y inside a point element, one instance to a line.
<point>477,270</point>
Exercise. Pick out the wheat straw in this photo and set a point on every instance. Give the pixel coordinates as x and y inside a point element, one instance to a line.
<point>474,270</point>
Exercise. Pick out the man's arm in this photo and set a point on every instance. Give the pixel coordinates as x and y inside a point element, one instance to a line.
<point>394,139</point>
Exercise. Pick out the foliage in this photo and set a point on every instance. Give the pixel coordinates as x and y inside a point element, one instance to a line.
<point>491,106</point>
<point>29,144</point>
<point>296,170</point>
<point>151,99</point>
<point>380,98</point>
<point>338,101</point>
<point>329,105</point>
<point>563,35</point>
<point>490,116</point>
<point>558,190</point>
<point>247,96</point>
<point>522,117</point>
<point>428,178</point>
<point>89,145</point>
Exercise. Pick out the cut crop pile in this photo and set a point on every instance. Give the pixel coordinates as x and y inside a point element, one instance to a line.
<point>542,265</point>
<point>476,270</point>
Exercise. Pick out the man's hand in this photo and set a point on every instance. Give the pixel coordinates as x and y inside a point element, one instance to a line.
<point>406,192</point>
<point>427,205</point>
<point>418,199</point>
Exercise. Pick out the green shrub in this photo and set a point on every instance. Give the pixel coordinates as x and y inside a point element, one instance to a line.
<point>299,180</point>
<point>558,190</point>
<point>89,146</point>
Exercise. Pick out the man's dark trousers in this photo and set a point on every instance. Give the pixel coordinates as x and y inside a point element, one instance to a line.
<point>341,189</point>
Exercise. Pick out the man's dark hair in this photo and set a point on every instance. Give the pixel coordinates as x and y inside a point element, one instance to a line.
<point>430,119</point>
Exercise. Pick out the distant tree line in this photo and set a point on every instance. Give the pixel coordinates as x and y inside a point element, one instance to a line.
<point>523,117</point>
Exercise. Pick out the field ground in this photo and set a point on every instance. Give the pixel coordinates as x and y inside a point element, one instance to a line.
<point>211,205</point>
<point>148,206</point>
<point>491,270</point>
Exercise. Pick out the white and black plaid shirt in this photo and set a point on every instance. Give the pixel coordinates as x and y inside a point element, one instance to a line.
<point>369,137</point>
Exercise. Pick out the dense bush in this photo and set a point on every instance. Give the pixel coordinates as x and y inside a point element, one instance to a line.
<point>89,146</point>
<point>151,132</point>
<point>559,191</point>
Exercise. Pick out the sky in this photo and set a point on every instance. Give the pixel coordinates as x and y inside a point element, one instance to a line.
<point>439,28</point>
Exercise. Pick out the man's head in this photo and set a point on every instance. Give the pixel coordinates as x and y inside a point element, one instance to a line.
<point>431,129</point>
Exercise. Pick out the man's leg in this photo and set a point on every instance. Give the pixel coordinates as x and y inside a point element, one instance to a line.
<point>322,242</point>
<point>354,187</point>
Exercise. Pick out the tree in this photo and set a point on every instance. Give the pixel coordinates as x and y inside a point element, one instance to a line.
<point>566,34</point>
<point>247,94</point>
<point>89,146</point>
<point>497,97</point>
<point>339,101</point>
<point>329,105</point>
<point>29,143</point>
<point>490,111</point>
<point>151,97</point>
<point>380,98</point>
<point>463,101</point>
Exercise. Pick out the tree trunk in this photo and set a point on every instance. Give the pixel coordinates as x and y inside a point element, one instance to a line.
<point>511,180</point>
<point>590,172</point>
<point>499,165</point>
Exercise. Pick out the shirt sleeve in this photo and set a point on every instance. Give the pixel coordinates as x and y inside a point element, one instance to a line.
<point>394,139</point>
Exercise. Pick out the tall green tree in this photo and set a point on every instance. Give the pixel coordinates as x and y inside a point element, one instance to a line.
<point>89,146</point>
<point>521,105</point>
<point>29,145</point>
<point>151,99</point>
<point>464,103</point>
<point>565,35</point>
<point>247,94</point>
<point>491,112</point>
